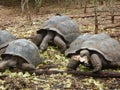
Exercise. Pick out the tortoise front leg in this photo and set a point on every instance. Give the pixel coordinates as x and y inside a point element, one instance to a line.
<point>45,41</point>
<point>3,65</point>
<point>6,64</point>
<point>12,63</point>
<point>60,43</point>
<point>73,63</point>
<point>96,63</point>
<point>27,67</point>
<point>37,39</point>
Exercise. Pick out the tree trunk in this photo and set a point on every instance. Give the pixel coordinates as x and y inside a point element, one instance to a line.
<point>96,17</point>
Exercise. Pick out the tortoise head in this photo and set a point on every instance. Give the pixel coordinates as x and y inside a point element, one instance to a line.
<point>85,57</point>
<point>36,39</point>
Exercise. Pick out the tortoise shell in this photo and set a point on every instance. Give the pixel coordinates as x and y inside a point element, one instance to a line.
<point>63,26</point>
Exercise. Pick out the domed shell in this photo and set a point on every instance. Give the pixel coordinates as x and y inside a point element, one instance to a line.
<point>24,49</point>
<point>108,47</point>
<point>76,44</point>
<point>6,36</point>
<point>62,25</point>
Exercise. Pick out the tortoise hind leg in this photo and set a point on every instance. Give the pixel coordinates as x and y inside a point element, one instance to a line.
<point>60,43</point>
<point>45,41</point>
<point>96,62</point>
<point>27,67</point>
<point>37,39</point>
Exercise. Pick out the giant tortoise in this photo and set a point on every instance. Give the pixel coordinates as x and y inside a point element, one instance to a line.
<point>5,38</point>
<point>60,30</point>
<point>99,51</point>
<point>22,54</point>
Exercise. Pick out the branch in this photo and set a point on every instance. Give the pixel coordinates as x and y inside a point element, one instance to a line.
<point>79,73</point>
<point>82,16</point>
<point>115,34</point>
<point>88,15</point>
<point>111,26</point>
<point>101,74</point>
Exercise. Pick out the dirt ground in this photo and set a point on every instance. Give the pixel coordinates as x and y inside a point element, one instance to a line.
<point>11,19</point>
